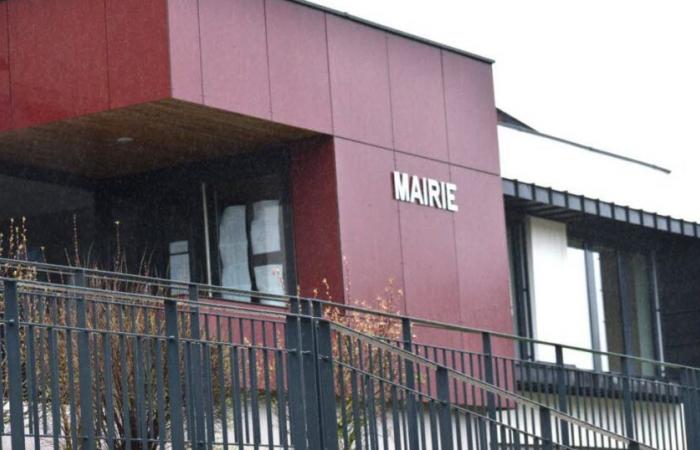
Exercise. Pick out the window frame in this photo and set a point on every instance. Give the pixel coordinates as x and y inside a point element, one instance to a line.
<point>522,296</point>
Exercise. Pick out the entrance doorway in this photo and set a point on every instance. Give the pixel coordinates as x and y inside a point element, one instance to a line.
<point>226,222</point>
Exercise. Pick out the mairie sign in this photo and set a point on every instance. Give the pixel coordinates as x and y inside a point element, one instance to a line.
<point>425,191</point>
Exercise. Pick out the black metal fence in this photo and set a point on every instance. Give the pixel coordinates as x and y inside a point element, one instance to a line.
<point>92,359</point>
<point>657,411</point>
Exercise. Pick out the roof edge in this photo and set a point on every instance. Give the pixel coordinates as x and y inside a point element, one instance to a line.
<point>394,31</point>
<point>582,204</point>
<point>528,130</point>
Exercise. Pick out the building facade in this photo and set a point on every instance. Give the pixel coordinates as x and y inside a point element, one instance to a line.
<point>279,148</point>
<point>612,261</point>
<point>253,144</point>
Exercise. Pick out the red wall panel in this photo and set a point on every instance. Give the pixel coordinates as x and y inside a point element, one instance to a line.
<point>58,54</point>
<point>5,99</point>
<point>234,56</point>
<point>315,206</point>
<point>471,113</point>
<point>359,82</point>
<point>417,98</point>
<point>283,61</point>
<point>480,238</point>
<point>185,55</point>
<point>369,222</point>
<point>298,65</point>
<point>428,243</point>
<point>137,44</point>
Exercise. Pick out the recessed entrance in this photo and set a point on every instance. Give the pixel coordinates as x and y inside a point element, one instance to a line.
<point>143,190</point>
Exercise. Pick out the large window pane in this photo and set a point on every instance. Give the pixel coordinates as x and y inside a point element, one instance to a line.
<point>641,314</point>
<point>252,234</point>
<point>233,249</point>
<point>561,309</point>
<point>589,296</point>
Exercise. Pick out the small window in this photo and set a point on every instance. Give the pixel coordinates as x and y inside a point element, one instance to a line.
<point>179,261</point>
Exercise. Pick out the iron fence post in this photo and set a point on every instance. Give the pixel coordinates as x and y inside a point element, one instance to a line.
<point>561,393</point>
<point>627,398</point>
<point>199,437</point>
<point>172,333</point>
<point>14,365</point>
<point>295,377</point>
<point>411,406</point>
<point>87,420</point>
<point>689,398</point>
<point>309,358</point>
<point>442,381</point>
<point>326,383</point>
<point>546,428</point>
<point>489,377</point>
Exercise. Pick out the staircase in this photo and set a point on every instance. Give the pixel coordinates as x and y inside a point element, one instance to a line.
<point>94,359</point>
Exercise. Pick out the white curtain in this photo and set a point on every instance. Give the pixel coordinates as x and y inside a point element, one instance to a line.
<point>265,234</point>
<point>559,293</point>
<point>233,250</point>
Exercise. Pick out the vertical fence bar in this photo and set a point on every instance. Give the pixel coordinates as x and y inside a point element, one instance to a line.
<point>562,392</point>
<point>198,441</point>
<point>30,373</point>
<point>14,365</point>
<point>295,379</point>
<point>309,359</point>
<point>108,382</point>
<point>689,399</point>
<point>174,380</point>
<point>411,407</point>
<point>87,418</point>
<point>489,378</point>
<point>442,382</point>
<point>546,428</point>
<point>53,367</point>
<point>627,398</point>
<point>326,384</point>
<point>253,387</point>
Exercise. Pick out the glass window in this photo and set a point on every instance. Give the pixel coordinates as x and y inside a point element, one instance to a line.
<point>179,261</point>
<point>252,233</point>
<point>227,222</point>
<point>589,296</point>
<point>560,302</point>
<point>233,249</point>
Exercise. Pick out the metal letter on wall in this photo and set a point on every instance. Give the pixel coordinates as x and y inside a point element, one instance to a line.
<point>425,191</point>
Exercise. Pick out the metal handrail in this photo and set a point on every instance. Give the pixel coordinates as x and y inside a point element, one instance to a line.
<point>354,308</point>
<point>25,291</point>
<point>72,291</point>
<point>453,406</point>
<point>488,387</point>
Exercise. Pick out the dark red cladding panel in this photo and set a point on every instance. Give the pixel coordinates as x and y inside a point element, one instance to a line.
<point>471,112</point>
<point>137,43</point>
<point>315,206</point>
<point>298,65</point>
<point>5,99</point>
<point>185,54</point>
<point>58,59</point>
<point>428,244</point>
<point>417,98</point>
<point>369,223</point>
<point>234,56</point>
<point>482,256</point>
<point>359,82</point>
